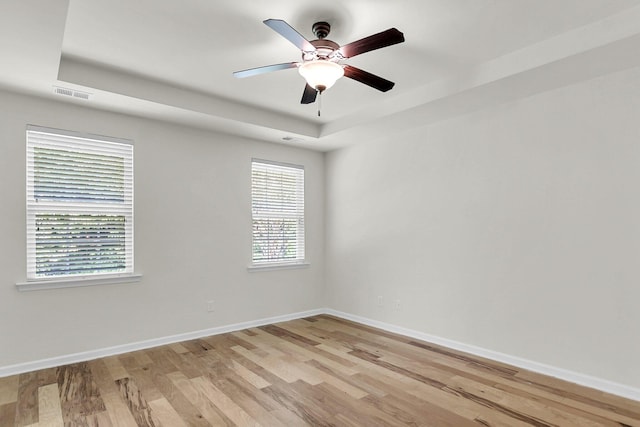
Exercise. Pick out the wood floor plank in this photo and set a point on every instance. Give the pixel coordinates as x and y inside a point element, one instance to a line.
<point>165,413</point>
<point>340,404</point>
<point>432,392</point>
<point>197,346</point>
<point>578,393</point>
<point>343,386</point>
<point>465,381</point>
<point>161,363</point>
<point>49,406</point>
<point>119,413</point>
<point>136,402</point>
<point>277,367</point>
<point>288,335</point>
<point>47,376</point>
<point>351,379</point>
<point>568,406</point>
<point>79,394</point>
<point>226,354</point>
<point>277,347</point>
<point>143,378</point>
<point>239,390</point>
<point>8,414</point>
<point>142,358</point>
<point>259,343</point>
<point>225,341</point>
<point>100,419</point>
<point>129,362</point>
<point>300,405</point>
<point>317,371</point>
<point>185,363</point>
<point>178,348</point>
<point>308,352</point>
<point>209,411</point>
<point>470,395</point>
<point>254,379</point>
<point>9,389</point>
<point>398,396</point>
<point>176,398</point>
<point>27,403</point>
<point>398,406</point>
<point>115,367</point>
<point>537,410</point>
<point>459,368</point>
<point>288,418</point>
<point>255,407</point>
<point>234,412</point>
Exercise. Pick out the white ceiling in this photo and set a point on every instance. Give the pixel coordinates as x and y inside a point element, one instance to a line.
<point>173,60</point>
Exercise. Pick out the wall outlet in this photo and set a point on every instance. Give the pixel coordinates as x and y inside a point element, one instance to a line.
<point>380,301</point>
<point>396,305</point>
<point>210,306</point>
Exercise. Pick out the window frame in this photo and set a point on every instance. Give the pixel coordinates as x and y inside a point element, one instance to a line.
<point>38,137</point>
<point>300,261</point>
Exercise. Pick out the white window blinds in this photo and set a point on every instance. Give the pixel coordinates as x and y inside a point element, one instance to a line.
<point>277,205</point>
<point>79,204</point>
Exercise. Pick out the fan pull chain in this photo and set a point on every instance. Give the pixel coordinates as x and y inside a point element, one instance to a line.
<point>319,102</point>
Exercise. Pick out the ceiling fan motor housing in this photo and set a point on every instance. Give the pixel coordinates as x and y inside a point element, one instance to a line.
<point>321,29</point>
<point>324,48</point>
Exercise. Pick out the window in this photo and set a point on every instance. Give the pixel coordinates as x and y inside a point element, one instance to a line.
<point>79,205</point>
<point>277,206</point>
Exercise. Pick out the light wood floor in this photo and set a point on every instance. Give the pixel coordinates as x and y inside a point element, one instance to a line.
<point>318,371</point>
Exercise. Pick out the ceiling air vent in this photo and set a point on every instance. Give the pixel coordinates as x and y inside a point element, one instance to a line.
<point>71,92</point>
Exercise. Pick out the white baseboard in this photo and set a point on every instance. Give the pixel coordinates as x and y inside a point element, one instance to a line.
<point>571,376</point>
<point>541,368</point>
<point>35,365</point>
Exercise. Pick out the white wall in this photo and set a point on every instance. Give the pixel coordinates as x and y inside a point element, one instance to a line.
<point>192,238</point>
<point>515,229</point>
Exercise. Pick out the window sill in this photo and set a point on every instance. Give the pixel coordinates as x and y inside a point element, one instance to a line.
<point>280,266</point>
<point>36,285</point>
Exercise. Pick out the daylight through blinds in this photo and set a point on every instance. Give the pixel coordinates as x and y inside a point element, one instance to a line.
<point>79,204</point>
<point>277,201</point>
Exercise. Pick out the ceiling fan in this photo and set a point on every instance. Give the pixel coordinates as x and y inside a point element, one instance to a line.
<point>321,58</point>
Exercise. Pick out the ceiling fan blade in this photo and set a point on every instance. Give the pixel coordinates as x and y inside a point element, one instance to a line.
<point>309,95</point>
<point>289,33</point>
<point>386,38</point>
<point>367,78</point>
<point>266,69</point>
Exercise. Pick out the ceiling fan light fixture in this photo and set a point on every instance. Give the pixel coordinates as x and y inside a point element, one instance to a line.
<point>321,74</point>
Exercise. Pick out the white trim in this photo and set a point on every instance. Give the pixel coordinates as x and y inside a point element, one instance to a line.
<point>37,285</point>
<point>275,163</point>
<point>35,365</point>
<point>541,368</point>
<point>81,135</point>
<point>277,266</point>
